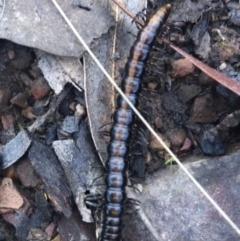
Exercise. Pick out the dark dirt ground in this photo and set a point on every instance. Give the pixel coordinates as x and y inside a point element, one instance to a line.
<point>195,115</point>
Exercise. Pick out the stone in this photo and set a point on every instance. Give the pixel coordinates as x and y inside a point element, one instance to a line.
<point>203,110</point>
<point>14,149</point>
<point>211,143</point>
<point>176,136</point>
<point>171,103</point>
<point>188,92</point>
<point>40,88</point>
<point>26,173</point>
<point>51,230</point>
<point>182,67</point>
<point>10,197</point>
<point>158,122</point>
<point>70,124</point>
<point>38,24</point>
<point>230,121</point>
<point>186,145</point>
<point>178,211</point>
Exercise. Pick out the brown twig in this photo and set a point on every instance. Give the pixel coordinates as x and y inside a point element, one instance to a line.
<point>124,9</point>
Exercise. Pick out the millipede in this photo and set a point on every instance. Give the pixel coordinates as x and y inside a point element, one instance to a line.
<point>123,117</point>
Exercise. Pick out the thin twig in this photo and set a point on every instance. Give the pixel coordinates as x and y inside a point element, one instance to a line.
<point>124,9</point>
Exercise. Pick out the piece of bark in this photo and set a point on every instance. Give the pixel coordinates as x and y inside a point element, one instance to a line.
<point>81,166</point>
<point>48,168</point>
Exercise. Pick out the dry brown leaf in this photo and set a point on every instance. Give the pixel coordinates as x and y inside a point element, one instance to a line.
<point>7,121</point>
<point>20,100</point>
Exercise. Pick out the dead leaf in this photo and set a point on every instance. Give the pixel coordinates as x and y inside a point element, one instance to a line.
<point>7,121</point>
<point>20,100</point>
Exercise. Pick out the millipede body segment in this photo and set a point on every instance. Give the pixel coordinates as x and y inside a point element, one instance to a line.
<point>120,133</point>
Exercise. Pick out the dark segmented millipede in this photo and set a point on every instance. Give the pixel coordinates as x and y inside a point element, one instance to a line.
<point>120,133</point>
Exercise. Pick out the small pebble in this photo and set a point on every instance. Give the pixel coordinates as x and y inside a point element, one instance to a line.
<point>80,110</point>
<point>158,122</point>
<point>11,54</point>
<point>223,66</point>
<point>51,230</point>
<point>181,68</point>
<point>70,124</point>
<point>176,136</point>
<point>26,173</point>
<point>186,145</point>
<point>40,88</point>
<point>152,85</point>
<point>10,197</point>
<point>211,143</point>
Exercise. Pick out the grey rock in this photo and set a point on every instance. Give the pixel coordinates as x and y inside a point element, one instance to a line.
<point>177,209</point>
<point>38,24</point>
<point>232,98</point>
<point>171,103</point>
<point>188,92</point>
<point>204,49</point>
<point>71,124</point>
<point>7,135</point>
<point>211,143</point>
<point>234,17</point>
<point>14,149</point>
